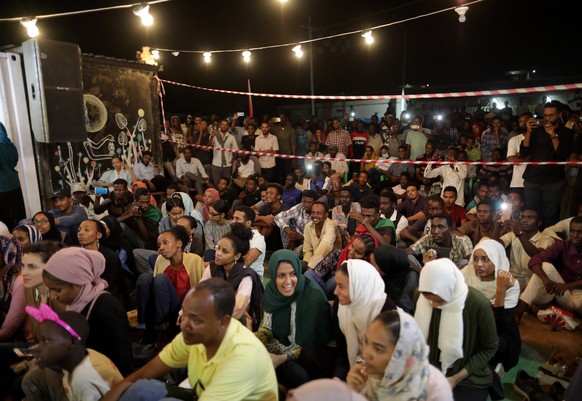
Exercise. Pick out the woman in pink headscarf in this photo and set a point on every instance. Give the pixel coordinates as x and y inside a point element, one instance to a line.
<point>73,277</point>
<point>211,195</point>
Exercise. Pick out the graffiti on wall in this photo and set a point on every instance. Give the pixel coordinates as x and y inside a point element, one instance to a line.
<point>119,120</point>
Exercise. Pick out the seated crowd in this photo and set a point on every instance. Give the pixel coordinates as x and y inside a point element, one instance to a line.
<point>257,277</point>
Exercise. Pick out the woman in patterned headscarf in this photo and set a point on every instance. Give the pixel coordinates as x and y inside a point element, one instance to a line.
<point>396,363</point>
<point>10,264</point>
<point>26,235</point>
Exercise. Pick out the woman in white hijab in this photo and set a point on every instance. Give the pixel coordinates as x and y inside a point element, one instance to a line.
<point>459,326</point>
<point>488,272</point>
<point>361,297</point>
<point>396,366</point>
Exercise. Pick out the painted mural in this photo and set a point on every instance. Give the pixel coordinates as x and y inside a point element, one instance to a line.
<point>121,116</point>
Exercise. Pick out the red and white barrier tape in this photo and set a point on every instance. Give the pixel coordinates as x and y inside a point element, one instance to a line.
<point>535,89</point>
<point>344,159</point>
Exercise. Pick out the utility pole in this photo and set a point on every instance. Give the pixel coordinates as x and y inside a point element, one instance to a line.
<point>311,64</point>
<point>402,101</point>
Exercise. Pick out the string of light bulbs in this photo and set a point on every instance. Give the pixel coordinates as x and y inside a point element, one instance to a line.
<point>367,34</point>
<point>139,9</point>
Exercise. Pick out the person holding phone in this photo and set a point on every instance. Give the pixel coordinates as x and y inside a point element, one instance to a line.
<point>544,185</point>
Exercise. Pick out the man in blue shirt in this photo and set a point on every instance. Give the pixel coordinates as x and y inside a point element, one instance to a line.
<point>67,217</point>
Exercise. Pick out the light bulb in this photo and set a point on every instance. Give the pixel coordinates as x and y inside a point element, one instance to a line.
<point>31,29</point>
<point>175,54</point>
<point>368,37</point>
<point>207,56</point>
<point>143,12</point>
<point>246,56</point>
<point>461,11</point>
<point>156,54</point>
<point>298,52</point>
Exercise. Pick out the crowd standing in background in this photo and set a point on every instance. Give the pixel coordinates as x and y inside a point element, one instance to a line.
<point>258,277</point>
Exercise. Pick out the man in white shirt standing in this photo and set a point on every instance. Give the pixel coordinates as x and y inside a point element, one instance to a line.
<point>190,169</point>
<point>222,160</point>
<point>255,257</point>
<point>267,143</point>
<point>513,152</point>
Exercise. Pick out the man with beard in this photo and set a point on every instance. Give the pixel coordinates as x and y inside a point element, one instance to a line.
<point>321,237</point>
<point>222,160</point>
<point>292,222</point>
<point>544,185</point>
<point>440,236</point>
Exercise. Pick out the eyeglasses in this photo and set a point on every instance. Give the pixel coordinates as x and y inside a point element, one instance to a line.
<point>215,214</point>
<point>41,221</point>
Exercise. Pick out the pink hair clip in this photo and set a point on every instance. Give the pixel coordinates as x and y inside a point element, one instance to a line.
<point>44,312</point>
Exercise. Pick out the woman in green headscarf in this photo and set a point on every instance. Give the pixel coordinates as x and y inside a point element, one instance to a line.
<point>296,314</point>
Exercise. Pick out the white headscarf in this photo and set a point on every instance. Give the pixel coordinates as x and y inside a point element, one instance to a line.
<point>496,253</point>
<point>186,200</point>
<point>441,277</point>
<point>406,375</point>
<point>367,299</point>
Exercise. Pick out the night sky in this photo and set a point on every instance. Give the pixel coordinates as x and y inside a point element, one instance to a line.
<point>498,36</point>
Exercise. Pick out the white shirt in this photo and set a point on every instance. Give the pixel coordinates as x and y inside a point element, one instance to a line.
<point>338,166</point>
<point>258,243</point>
<point>194,167</point>
<point>246,170</point>
<point>513,150</point>
<point>111,175</point>
<point>384,166</point>
<point>454,177</point>
<point>518,257</point>
<point>229,143</point>
<point>143,172</point>
<point>263,143</point>
<point>402,224</point>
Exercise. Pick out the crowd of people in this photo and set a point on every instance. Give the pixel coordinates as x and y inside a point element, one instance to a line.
<point>258,277</point>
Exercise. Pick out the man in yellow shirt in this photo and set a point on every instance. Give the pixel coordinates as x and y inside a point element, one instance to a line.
<point>225,360</point>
